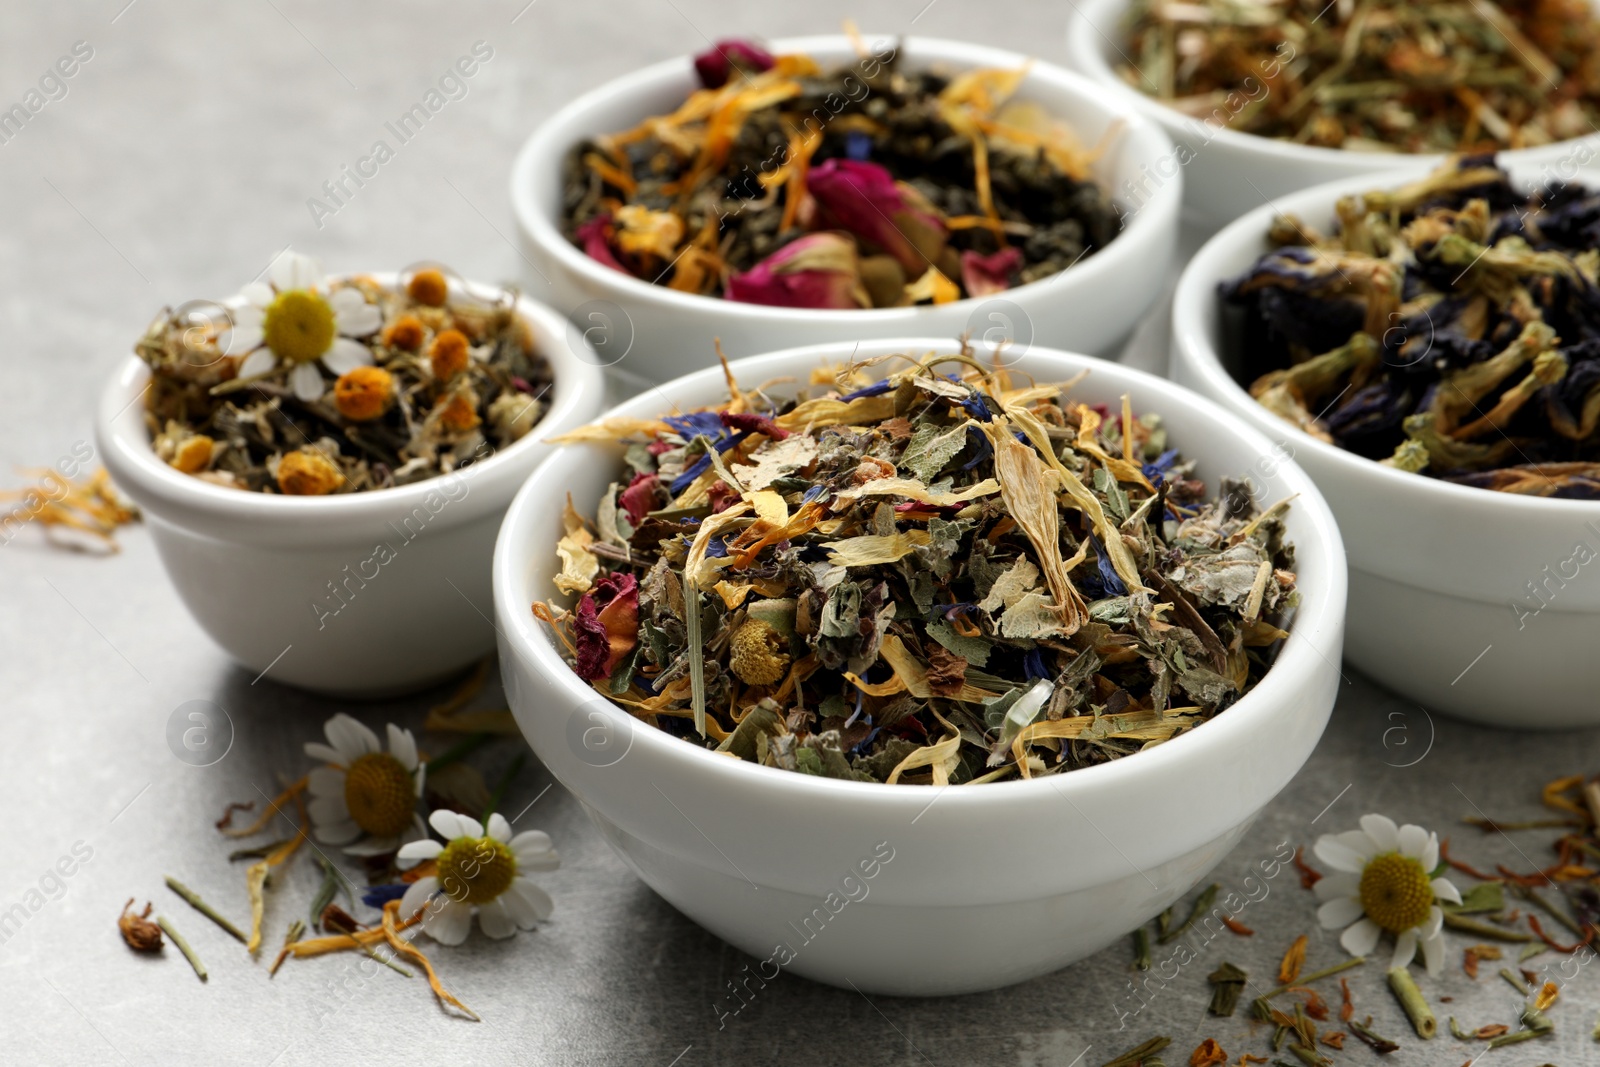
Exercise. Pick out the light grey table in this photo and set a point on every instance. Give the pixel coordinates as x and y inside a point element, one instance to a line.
<point>177,160</point>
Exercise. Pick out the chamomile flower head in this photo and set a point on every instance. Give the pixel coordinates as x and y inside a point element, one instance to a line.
<point>365,798</point>
<point>294,320</point>
<point>1384,883</point>
<point>478,868</point>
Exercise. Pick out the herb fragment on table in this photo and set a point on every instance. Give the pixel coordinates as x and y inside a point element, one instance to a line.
<point>1377,76</point>
<point>306,386</point>
<point>89,506</point>
<point>138,931</point>
<point>1293,960</point>
<point>198,903</point>
<point>1412,1002</point>
<point>1446,327</point>
<point>1227,982</point>
<point>1139,1054</point>
<point>183,947</point>
<point>1208,1054</point>
<point>930,578</point>
<point>858,186</point>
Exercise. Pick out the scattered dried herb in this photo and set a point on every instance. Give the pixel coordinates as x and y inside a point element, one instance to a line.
<point>1373,75</point>
<point>1208,1054</point>
<point>311,387</point>
<point>1448,327</point>
<point>1141,948</point>
<point>1227,983</point>
<point>1293,960</point>
<point>198,903</point>
<point>138,931</point>
<point>927,578</point>
<point>1202,905</point>
<point>783,183</point>
<point>1412,1001</point>
<point>1139,1054</point>
<point>89,506</point>
<point>1309,875</point>
<point>183,947</point>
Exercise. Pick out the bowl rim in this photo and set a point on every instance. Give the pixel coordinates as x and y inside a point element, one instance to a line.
<point>540,155</point>
<point>132,459</point>
<point>1320,614</point>
<point>1083,28</point>
<point>1196,292</point>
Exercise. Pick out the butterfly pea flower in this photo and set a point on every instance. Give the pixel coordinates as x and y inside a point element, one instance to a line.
<point>864,199</point>
<point>717,64</point>
<point>819,270</point>
<point>986,275</point>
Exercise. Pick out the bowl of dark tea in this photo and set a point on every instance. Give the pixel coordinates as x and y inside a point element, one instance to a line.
<point>1264,98</point>
<point>1427,346</point>
<point>838,188</point>
<point>867,615</point>
<point>320,458</point>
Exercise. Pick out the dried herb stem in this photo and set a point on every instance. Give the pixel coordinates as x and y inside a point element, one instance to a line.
<point>1141,948</point>
<point>1483,929</point>
<point>1533,896</point>
<point>1411,1000</point>
<point>183,946</point>
<point>1228,982</point>
<point>199,904</point>
<point>1139,1054</point>
<point>1515,981</point>
<point>1307,979</point>
<point>1380,1044</point>
<point>1202,905</point>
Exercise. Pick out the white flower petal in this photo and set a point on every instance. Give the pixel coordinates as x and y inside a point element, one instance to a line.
<point>1433,923</point>
<point>295,271</point>
<point>306,381</point>
<point>530,843</point>
<point>256,295</point>
<point>470,827</point>
<point>337,833</point>
<point>1382,830</point>
<point>257,363</point>
<point>1333,886</point>
<point>1358,841</point>
<point>354,736</point>
<point>539,861</point>
<point>1430,854</point>
<point>403,747</point>
<point>1433,954</point>
<point>1413,839</point>
<point>444,821</point>
<point>417,896</point>
<point>535,899</point>
<point>345,355</point>
<point>248,316</point>
<point>498,828</point>
<point>352,315</point>
<point>1405,949</point>
<point>421,775</point>
<point>1361,938</point>
<point>1337,914</point>
<point>373,846</point>
<point>448,922</point>
<point>414,852</point>
<point>240,339</point>
<point>328,810</point>
<point>1336,854</point>
<point>1445,889</point>
<point>495,921</point>
<point>325,753</point>
<point>326,782</point>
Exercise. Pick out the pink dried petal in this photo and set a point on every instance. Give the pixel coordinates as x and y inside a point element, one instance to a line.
<point>985,275</point>
<point>640,497</point>
<point>750,422</point>
<point>717,64</point>
<point>864,199</point>
<point>595,237</point>
<point>819,270</point>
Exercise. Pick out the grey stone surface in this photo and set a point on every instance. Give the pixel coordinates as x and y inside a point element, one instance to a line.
<point>178,162</point>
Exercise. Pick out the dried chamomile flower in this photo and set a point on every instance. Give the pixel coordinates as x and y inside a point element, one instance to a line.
<point>428,287</point>
<point>364,394</point>
<point>449,354</point>
<point>307,472</point>
<point>365,798</point>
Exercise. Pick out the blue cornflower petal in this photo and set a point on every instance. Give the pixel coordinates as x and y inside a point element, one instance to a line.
<point>975,406</point>
<point>980,442</point>
<point>857,146</point>
<point>875,389</point>
<point>697,468</point>
<point>379,895</point>
<point>1109,578</point>
<point>1033,664</point>
<point>698,424</point>
<point>811,494</point>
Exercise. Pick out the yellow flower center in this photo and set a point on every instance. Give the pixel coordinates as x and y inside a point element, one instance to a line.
<point>1396,893</point>
<point>298,326</point>
<point>380,794</point>
<point>476,870</point>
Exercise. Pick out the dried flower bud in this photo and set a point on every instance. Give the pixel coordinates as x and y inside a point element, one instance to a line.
<point>458,412</point>
<point>986,275</point>
<point>194,454</point>
<point>819,270</point>
<point>864,199</point>
<point>338,920</point>
<point>428,287</point>
<point>758,654</point>
<point>307,472</point>
<point>717,64</point>
<point>363,393</point>
<point>514,414</point>
<point>448,355</point>
<point>406,332</point>
<point>138,931</point>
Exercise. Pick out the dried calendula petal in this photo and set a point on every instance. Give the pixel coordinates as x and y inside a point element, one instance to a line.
<point>138,931</point>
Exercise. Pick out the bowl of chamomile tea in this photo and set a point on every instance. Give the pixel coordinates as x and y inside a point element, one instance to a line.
<point>914,671</point>
<point>843,188</point>
<point>1264,98</point>
<point>323,462</point>
<point>1426,345</point>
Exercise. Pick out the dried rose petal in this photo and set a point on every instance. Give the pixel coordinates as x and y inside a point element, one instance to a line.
<point>640,497</point>
<point>716,64</point>
<point>819,270</point>
<point>985,275</point>
<point>595,236</point>
<point>864,199</point>
<point>605,635</point>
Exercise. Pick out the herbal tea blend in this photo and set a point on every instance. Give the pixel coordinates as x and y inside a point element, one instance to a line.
<point>1375,75</point>
<point>936,577</point>
<point>1450,326</point>
<point>783,183</point>
<point>308,386</point>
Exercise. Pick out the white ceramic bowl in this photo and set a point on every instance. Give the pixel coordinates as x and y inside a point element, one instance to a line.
<point>1228,173</point>
<point>297,584</point>
<point>659,333</point>
<point>1437,571</point>
<point>988,884</point>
